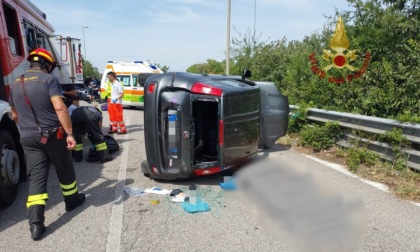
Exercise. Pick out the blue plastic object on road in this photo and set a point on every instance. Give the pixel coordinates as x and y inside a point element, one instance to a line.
<point>200,206</point>
<point>228,185</point>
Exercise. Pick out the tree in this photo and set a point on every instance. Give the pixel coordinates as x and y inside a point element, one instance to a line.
<point>210,67</point>
<point>89,70</point>
<point>386,37</point>
<point>387,28</point>
<point>164,68</point>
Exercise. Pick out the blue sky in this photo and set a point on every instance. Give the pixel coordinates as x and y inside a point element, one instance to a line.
<point>180,33</point>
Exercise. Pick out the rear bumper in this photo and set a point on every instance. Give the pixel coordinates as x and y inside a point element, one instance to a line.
<point>163,174</point>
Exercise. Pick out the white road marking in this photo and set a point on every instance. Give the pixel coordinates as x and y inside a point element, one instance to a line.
<point>116,220</point>
<point>342,169</point>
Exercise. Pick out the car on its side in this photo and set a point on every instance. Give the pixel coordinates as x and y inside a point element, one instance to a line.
<point>203,124</point>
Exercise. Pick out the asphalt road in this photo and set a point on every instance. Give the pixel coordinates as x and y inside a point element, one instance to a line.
<point>294,202</point>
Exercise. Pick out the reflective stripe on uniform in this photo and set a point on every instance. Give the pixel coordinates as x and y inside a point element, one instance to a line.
<point>69,189</point>
<point>101,146</point>
<point>78,147</point>
<point>37,199</point>
<point>71,192</point>
<point>37,202</point>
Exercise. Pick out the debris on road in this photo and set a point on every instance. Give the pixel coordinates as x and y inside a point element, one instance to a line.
<point>175,192</point>
<point>154,201</point>
<point>178,196</point>
<point>228,184</point>
<point>194,203</point>
<point>133,191</point>
<point>199,206</point>
<point>157,190</point>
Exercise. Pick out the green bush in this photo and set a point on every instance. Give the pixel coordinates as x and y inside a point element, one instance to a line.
<point>320,137</point>
<point>407,116</point>
<point>297,120</point>
<point>394,138</point>
<point>358,156</point>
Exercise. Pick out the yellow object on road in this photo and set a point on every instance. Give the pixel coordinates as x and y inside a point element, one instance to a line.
<point>154,201</point>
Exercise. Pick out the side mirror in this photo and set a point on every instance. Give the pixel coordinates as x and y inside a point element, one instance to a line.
<point>246,73</point>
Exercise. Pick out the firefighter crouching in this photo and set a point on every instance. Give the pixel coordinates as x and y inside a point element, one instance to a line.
<point>88,120</point>
<point>46,136</point>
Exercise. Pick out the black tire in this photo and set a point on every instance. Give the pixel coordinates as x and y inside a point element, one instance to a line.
<point>8,191</point>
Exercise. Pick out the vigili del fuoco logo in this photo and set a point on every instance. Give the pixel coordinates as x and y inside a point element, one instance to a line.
<point>340,57</point>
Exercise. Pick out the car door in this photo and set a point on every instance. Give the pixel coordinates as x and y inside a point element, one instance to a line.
<point>274,114</point>
<point>137,91</point>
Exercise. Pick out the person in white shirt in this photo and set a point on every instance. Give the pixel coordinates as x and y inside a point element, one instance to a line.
<point>115,108</point>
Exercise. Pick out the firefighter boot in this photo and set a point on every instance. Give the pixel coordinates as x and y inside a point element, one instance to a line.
<point>74,200</point>
<point>93,155</point>
<point>77,153</point>
<point>36,221</point>
<point>104,156</point>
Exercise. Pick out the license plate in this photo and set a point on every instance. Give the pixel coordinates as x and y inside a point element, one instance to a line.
<point>172,132</point>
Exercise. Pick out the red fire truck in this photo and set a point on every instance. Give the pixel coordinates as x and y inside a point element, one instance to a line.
<point>23,27</point>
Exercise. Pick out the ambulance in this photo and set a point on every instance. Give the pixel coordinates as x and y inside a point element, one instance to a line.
<point>132,76</point>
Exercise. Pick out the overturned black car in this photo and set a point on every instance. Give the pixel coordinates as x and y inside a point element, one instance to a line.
<point>203,124</point>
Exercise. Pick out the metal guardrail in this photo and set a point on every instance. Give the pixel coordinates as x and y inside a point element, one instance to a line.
<point>373,125</point>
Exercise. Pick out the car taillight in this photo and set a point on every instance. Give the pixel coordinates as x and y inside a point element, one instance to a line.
<point>207,171</point>
<point>221,132</point>
<point>155,170</point>
<point>151,88</point>
<point>201,88</point>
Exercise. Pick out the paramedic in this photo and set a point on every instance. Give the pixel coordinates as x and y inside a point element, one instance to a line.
<point>46,136</point>
<point>115,108</point>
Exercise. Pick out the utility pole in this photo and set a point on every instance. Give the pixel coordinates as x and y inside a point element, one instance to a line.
<point>228,39</point>
<point>255,16</point>
<point>84,44</point>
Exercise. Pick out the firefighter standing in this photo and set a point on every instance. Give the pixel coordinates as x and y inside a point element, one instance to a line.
<point>89,120</point>
<point>115,108</point>
<point>46,136</point>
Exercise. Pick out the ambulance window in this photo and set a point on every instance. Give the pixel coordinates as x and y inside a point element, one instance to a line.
<point>15,41</point>
<point>125,79</point>
<point>135,83</point>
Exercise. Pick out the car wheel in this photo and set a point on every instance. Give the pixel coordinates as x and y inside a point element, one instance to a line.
<point>9,169</point>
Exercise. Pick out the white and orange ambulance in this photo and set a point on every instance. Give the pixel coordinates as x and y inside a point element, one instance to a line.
<point>132,76</point>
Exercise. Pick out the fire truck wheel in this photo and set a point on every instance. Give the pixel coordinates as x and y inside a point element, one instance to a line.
<point>9,169</point>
